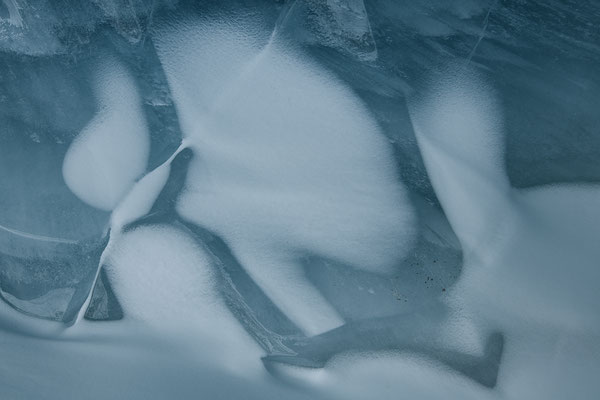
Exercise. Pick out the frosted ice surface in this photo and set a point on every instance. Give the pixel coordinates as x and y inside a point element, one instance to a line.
<point>340,24</point>
<point>338,199</point>
<point>22,32</point>
<point>11,13</point>
<point>50,240</point>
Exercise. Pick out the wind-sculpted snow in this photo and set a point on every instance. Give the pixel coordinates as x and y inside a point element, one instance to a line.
<point>273,174</point>
<point>505,232</point>
<point>111,152</point>
<point>298,200</point>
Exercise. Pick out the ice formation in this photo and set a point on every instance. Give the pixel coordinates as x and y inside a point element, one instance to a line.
<point>530,246</point>
<point>273,174</point>
<point>299,199</point>
<point>503,231</point>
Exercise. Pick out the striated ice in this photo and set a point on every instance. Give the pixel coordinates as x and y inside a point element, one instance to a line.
<point>503,231</point>
<point>46,27</point>
<point>340,24</point>
<point>22,31</point>
<point>50,241</point>
<point>11,13</point>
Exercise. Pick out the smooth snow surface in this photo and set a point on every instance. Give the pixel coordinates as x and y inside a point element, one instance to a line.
<point>14,16</point>
<point>458,123</point>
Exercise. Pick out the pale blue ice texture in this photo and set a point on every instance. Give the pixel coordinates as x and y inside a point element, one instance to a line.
<point>337,199</point>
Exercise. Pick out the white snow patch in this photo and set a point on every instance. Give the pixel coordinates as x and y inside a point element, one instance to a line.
<point>163,278</point>
<point>289,162</point>
<point>112,151</point>
<point>530,266</point>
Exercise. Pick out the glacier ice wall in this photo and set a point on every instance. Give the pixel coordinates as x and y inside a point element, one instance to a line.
<point>338,199</point>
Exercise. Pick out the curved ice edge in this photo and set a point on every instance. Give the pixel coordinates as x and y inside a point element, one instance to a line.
<point>483,369</point>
